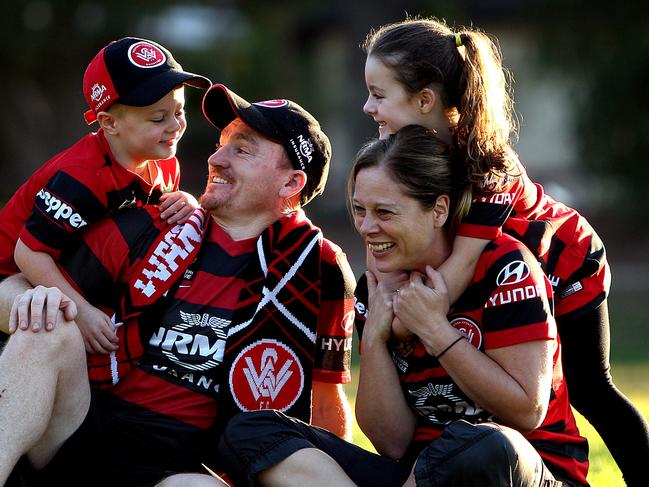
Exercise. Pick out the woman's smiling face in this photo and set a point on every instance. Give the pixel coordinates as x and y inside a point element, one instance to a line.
<point>398,232</point>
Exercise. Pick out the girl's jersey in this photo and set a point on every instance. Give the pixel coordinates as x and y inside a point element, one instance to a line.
<point>570,252</point>
<point>507,303</point>
<point>76,188</point>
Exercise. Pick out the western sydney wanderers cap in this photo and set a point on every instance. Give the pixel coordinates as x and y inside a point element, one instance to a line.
<point>137,72</point>
<point>282,121</point>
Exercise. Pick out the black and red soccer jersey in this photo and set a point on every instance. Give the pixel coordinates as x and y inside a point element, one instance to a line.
<point>571,253</point>
<point>184,335</point>
<point>507,303</point>
<point>75,188</point>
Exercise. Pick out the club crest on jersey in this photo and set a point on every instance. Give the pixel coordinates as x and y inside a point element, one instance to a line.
<point>266,375</point>
<point>146,55</point>
<point>513,273</point>
<point>272,103</point>
<point>469,329</point>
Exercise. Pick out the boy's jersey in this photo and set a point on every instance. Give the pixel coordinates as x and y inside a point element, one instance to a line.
<point>571,253</point>
<point>507,303</point>
<point>76,188</point>
<point>184,335</point>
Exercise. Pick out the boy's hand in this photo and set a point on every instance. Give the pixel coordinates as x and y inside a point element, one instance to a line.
<point>97,329</point>
<point>176,207</point>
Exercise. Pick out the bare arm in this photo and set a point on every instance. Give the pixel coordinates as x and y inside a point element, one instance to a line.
<point>331,409</point>
<point>379,391</point>
<point>459,267</point>
<point>95,326</point>
<point>512,382</point>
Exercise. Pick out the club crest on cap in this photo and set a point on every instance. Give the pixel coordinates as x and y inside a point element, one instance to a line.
<point>146,55</point>
<point>272,103</point>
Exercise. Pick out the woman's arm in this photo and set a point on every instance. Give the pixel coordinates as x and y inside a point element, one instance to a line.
<point>381,409</point>
<point>512,382</point>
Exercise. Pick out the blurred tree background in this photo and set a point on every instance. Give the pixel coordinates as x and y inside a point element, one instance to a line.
<point>582,89</point>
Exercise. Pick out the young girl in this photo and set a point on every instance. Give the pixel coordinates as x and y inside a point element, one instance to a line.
<point>421,72</point>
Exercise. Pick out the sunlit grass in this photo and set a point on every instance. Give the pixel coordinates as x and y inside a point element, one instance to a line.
<point>629,378</point>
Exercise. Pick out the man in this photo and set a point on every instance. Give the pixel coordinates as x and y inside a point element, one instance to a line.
<point>251,308</point>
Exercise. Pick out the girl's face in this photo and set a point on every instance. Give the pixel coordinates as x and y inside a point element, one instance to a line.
<point>397,231</point>
<point>389,103</point>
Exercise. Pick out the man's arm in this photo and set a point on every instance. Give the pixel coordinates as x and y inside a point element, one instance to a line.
<point>331,409</point>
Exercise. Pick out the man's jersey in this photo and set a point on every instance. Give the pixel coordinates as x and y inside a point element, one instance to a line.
<point>507,303</point>
<point>571,253</point>
<point>185,335</point>
<point>76,188</point>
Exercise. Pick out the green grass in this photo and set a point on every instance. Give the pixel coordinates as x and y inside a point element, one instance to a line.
<point>630,378</point>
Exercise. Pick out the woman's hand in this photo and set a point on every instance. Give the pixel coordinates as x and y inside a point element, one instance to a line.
<point>421,306</point>
<point>380,304</point>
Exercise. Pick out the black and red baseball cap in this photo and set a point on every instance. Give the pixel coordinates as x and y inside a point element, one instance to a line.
<point>135,72</point>
<point>282,121</point>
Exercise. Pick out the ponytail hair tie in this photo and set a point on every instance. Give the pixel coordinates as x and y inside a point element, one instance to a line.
<point>458,39</point>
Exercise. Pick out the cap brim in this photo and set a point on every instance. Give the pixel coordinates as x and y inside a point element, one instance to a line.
<point>221,106</point>
<point>158,86</point>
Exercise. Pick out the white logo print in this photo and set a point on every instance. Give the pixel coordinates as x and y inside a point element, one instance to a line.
<point>306,147</point>
<point>267,383</point>
<point>177,344</point>
<point>97,92</point>
<point>513,273</point>
<point>175,248</point>
<point>266,375</point>
<point>60,210</point>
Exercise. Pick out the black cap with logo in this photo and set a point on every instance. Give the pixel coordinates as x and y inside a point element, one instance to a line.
<point>282,121</point>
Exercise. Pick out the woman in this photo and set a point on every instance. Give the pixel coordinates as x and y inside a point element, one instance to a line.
<point>420,71</point>
<point>460,391</point>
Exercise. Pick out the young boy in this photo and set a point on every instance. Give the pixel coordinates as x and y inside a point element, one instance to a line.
<point>135,89</point>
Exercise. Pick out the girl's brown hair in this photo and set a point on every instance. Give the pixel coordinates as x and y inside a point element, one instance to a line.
<point>465,67</point>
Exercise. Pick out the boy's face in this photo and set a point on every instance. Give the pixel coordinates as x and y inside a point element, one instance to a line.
<point>150,132</point>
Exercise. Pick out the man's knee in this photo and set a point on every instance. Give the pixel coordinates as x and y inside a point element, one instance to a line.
<point>63,342</point>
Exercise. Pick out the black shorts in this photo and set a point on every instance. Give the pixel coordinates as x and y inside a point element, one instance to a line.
<point>110,449</point>
<point>255,441</point>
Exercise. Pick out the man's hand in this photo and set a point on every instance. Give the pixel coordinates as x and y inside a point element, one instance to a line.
<point>176,207</point>
<point>38,309</point>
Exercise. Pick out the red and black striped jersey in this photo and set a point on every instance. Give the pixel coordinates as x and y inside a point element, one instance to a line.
<point>494,203</point>
<point>508,302</point>
<point>184,335</point>
<point>570,251</point>
<point>75,188</point>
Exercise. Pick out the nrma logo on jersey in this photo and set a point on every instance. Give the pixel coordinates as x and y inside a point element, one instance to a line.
<point>266,375</point>
<point>59,210</point>
<point>195,344</point>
